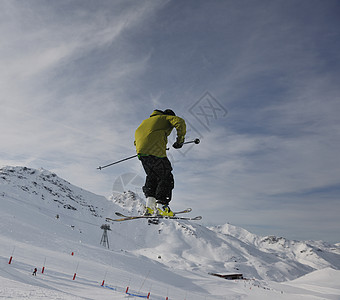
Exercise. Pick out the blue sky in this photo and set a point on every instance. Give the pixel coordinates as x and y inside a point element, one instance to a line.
<point>256,81</point>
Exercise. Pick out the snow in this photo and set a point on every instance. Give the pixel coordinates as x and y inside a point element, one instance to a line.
<point>172,259</point>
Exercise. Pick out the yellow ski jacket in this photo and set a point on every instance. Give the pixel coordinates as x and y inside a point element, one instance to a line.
<point>151,137</point>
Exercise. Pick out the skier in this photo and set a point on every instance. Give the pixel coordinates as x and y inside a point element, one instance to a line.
<point>151,138</point>
<point>35,272</point>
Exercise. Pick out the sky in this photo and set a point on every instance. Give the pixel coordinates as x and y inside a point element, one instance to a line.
<point>256,81</point>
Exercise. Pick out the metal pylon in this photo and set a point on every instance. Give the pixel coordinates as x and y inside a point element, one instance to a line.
<point>105,240</point>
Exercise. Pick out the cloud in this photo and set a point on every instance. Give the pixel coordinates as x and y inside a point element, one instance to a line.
<point>80,76</point>
<point>63,105</point>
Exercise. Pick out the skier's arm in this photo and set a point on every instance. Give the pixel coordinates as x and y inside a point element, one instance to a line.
<point>180,126</point>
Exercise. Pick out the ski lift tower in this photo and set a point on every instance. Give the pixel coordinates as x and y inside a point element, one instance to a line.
<point>105,240</point>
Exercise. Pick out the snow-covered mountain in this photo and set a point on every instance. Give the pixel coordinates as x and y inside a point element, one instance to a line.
<point>44,218</point>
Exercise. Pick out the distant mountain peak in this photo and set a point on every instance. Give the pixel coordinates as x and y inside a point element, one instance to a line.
<point>129,201</point>
<point>43,184</point>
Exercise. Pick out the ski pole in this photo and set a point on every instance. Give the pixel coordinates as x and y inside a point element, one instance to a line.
<point>117,162</point>
<point>196,141</point>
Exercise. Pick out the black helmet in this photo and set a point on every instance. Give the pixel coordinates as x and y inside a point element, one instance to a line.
<point>169,112</point>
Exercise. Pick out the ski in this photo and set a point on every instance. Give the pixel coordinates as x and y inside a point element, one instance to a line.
<point>175,217</point>
<point>156,217</point>
<point>175,213</point>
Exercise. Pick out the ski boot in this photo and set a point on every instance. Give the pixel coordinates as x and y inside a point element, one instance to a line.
<point>150,206</point>
<point>163,210</point>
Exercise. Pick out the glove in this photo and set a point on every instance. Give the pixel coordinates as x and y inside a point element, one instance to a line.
<point>177,145</point>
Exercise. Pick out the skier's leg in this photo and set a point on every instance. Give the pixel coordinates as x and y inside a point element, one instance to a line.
<point>165,181</point>
<point>151,179</point>
<point>150,185</point>
<point>164,187</point>
<point>159,181</point>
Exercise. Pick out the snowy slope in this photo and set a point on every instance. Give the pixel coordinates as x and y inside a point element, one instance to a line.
<point>315,254</point>
<point>172,258</point>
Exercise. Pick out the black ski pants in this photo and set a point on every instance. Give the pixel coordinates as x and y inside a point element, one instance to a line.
<point>159,181</point>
